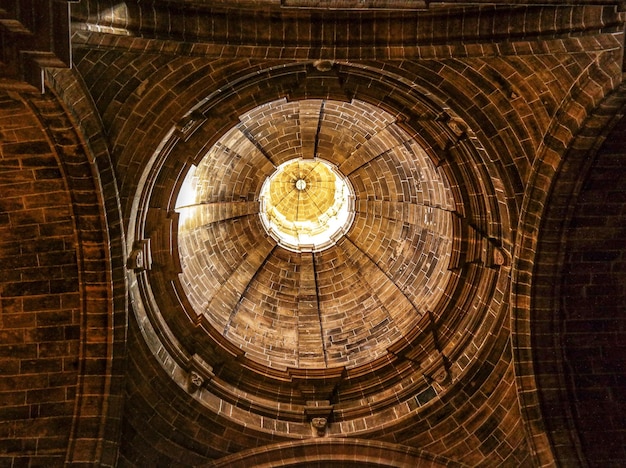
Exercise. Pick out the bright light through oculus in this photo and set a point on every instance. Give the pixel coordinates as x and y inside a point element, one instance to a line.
<point>306,205</point>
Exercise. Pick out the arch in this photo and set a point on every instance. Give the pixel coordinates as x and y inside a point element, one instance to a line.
<point>91,179</point>
<point>333,452</point>
<point>558,173</point>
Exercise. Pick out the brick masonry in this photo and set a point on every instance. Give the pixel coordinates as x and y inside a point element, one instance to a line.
<point>40,297</point>
<point>594,304</point>
<point>519,364</point>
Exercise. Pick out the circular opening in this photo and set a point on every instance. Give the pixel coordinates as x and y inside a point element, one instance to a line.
<point>306,205</point>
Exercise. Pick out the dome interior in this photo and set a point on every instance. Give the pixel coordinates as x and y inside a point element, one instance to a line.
<point>315,252</point>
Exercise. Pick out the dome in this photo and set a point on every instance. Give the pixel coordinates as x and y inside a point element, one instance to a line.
<point>315,253</point>
<point>306,205</point>
<point>267,329</point>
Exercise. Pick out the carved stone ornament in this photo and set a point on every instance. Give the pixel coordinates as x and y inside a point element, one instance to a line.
<point>319,424</point>
<point>195,381</point>
<point>498,257</point>
<point>457,126</point>
<point>140,257</point>
<point>436,369</point>
<point>136,260</point>
<point>440,375</point>
<point>323,65</point>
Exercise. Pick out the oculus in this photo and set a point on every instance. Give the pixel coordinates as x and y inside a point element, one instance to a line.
<point>306,205</point>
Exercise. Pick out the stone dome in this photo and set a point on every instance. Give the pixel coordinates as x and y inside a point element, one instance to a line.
<point>261,325</point>
<point>252,212</point>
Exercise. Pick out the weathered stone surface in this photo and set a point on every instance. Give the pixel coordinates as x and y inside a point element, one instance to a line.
<point>519,359</point>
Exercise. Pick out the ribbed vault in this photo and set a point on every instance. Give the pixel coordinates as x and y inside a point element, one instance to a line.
<point>343,306</point>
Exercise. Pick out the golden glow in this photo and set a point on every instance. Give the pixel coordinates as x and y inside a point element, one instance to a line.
<point>306,205</point>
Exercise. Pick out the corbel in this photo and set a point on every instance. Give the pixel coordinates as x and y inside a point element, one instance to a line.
<point>319,414</point>
<point>140,257</point>
<point>496,255</point>
<point>186,127</point>
<point>200,373</point>
<point>436,369</point>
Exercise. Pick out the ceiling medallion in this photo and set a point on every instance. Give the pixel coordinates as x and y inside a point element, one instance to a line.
<point>306,205</point>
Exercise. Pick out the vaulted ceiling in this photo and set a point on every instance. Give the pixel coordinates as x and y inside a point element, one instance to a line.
<point>164,166</point>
